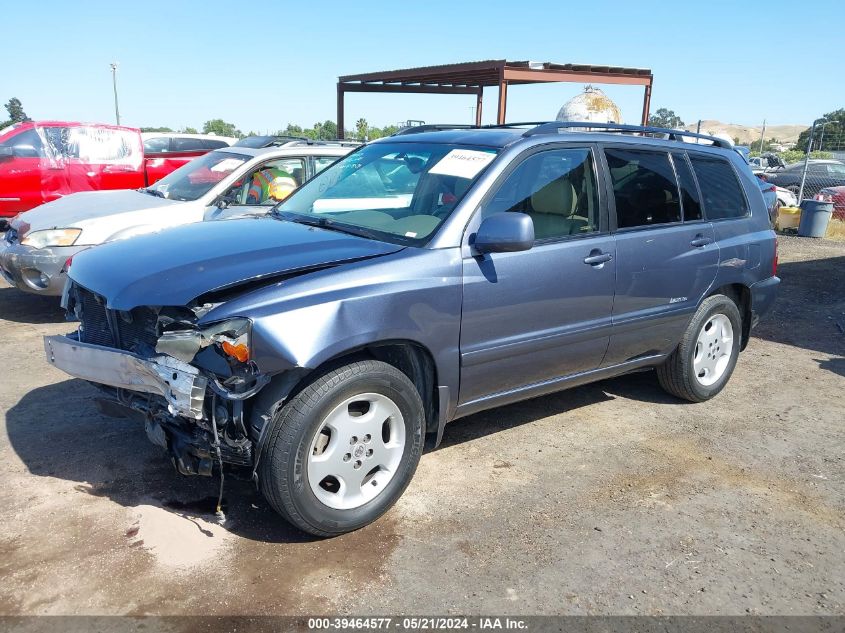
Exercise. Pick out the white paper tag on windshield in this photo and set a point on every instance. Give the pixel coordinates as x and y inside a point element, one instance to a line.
<point>463,163</point>
<point>227,164</point>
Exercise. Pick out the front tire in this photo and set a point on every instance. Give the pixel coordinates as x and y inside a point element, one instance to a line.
<point>704,360</point>
<point>342,451</point>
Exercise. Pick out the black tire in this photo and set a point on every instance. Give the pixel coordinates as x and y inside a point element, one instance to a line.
<point>677,375</point>
<point>282,470</point>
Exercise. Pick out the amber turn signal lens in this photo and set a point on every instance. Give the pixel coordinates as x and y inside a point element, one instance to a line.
<point>239,351</point>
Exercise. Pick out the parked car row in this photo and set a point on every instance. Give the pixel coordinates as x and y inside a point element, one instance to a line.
<point>417,280</point>
<point>821,173</point>
<point>228,182</point>
<point>41,161</point>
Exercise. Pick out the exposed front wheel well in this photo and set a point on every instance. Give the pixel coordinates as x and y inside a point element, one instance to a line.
<point>411,358</point>
<point>741,296</point>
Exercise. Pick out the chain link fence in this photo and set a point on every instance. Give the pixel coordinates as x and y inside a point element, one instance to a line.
<point>819,174</point>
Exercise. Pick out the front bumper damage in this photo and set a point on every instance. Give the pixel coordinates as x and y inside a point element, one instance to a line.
<point>180,384</point>
<point>182,409</point>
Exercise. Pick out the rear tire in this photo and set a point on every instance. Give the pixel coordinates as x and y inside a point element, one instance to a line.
<point>704,360</point>
<point>332,430</point>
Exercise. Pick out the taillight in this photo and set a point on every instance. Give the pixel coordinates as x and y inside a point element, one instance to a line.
<point>775,259</point>
<point>770,188</point>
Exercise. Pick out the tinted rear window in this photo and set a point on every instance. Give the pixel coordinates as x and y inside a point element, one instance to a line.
<point>722,193</point>
<point>183,144</point>
<point>644,188</point>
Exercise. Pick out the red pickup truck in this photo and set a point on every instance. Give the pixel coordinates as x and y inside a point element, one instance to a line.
<point>41,161</point>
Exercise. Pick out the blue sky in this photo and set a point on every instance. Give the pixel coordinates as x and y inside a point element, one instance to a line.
<point>261,65</point>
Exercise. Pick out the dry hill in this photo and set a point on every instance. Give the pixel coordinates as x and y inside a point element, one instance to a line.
<point>748,133</point>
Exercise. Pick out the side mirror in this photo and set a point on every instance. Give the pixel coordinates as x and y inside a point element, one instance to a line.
<point>6,151</point>
<point>505,233</point>
<point>223,201</point>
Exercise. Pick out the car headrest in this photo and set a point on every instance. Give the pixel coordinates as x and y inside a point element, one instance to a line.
<point>557,197</point>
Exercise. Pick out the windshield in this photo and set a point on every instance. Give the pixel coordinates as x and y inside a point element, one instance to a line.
<point>196,178</point>
<point>395,192</point>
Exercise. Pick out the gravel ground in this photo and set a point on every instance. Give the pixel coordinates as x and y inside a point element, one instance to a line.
<point>608,499</point>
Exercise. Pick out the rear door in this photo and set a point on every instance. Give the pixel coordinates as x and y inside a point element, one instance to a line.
<point>533,316</point>
<point>666,252</point>
<point>102,158</point>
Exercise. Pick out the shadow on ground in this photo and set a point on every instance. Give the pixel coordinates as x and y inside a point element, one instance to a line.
<point>810,308</point>
<point>20,307</point>
<point>58,432</point>
<point>641,386</point>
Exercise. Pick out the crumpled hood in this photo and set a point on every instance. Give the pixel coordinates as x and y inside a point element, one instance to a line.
<point>177,265</point>
<point>76,209</point>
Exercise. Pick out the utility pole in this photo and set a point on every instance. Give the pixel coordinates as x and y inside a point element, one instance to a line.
<point>807,160</point>
<point>762,135</point>
<point>114,85</point>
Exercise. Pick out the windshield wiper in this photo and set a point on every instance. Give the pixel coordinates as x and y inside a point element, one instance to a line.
<point>152,192</point>
<point>331,225</point>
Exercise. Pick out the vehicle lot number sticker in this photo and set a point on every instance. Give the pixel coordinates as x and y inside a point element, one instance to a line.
<point>463,163</point>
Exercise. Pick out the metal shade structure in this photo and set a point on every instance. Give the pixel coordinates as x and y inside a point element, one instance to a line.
<point>471,78</point>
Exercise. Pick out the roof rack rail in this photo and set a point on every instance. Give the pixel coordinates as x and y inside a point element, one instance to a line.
<point>552,127</point>
<point>434,127</point>
<point>281,141</point>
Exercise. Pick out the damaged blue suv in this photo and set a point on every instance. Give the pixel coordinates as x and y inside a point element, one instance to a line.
<point>422,278</point>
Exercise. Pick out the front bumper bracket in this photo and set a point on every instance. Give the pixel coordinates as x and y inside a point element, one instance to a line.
<point>181,385</point>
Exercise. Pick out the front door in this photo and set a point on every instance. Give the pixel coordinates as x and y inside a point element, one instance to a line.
<point>21,172</point>
<point>533,316</point>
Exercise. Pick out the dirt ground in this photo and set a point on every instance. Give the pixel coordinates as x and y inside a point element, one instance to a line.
<point>607,499</point>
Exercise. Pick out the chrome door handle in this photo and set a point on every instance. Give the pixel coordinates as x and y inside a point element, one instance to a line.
<point>598,258</point>
<point>700,241</point>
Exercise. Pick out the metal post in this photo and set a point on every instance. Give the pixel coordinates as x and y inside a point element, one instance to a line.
<point>478,103</point>
<point>646,102</point>
<point>762,134</point>
<point>807,161</point>
<point>503,101</point>
<point>340,123</point>
<point>821,137</point>
<point>114,85</point>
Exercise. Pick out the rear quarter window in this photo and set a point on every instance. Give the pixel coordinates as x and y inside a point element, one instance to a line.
<point>214,144</point>
<point>720,188</point>
<point>187,144</point>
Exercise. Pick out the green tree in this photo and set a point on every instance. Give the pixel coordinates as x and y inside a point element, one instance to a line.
<point>665,118</point>
<point>326,130</point>
<point>220,128</point>
<point>834,133</point>
<point>292,130</point>
<point>189,130</point>
<point>156,129</point>
<point>361,129</point>
<point>15,110</point>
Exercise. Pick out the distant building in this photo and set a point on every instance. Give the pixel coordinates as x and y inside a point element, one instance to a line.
<point>591,105</point>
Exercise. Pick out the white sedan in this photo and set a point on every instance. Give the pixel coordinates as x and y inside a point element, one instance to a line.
<point>227,182</point>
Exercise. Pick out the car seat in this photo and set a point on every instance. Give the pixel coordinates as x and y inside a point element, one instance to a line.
<point>553,210</point>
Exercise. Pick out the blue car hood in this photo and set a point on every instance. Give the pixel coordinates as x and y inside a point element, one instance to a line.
<point>173,267</point>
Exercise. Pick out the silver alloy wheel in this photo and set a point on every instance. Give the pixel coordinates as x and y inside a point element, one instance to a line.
<point>713,349</point>
<point>356,451</point>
